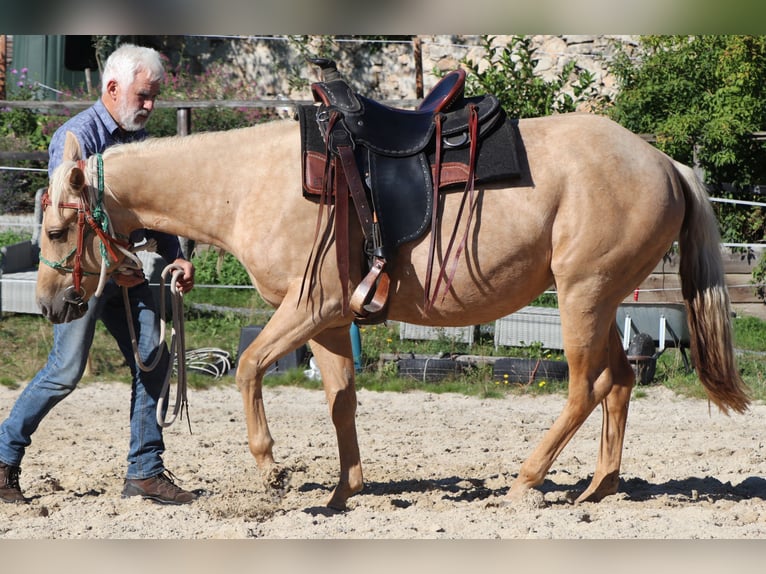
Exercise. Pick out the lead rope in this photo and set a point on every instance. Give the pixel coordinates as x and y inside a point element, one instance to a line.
<point>176,348</point>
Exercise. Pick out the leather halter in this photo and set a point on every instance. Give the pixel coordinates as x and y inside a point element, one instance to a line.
<point>85,220</point>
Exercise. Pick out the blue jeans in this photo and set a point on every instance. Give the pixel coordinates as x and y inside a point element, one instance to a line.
<point>66,364</point>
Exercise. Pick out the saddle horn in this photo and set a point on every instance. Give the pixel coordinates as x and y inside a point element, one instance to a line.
<point>328,68</point>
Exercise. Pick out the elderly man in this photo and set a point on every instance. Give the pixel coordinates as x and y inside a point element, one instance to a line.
<point>130,84</point>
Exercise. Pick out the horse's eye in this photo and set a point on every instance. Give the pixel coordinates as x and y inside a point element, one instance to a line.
<point>56,234</point>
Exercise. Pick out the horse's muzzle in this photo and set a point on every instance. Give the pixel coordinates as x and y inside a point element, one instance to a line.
<point>70,306</point>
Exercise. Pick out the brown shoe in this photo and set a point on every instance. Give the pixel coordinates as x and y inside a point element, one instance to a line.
<point>160,488</point>
<point>10,491</point>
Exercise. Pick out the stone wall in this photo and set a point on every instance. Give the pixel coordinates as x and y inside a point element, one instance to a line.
<point>388,70</point>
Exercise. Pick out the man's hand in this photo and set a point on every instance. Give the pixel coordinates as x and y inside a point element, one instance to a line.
<point>185,282</point>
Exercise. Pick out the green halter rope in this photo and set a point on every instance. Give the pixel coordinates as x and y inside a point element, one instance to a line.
<point>61,263</point>
<point>99,214</point>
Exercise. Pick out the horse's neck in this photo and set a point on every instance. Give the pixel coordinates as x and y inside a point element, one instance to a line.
<point>162,188</point>
<point>208,187</point>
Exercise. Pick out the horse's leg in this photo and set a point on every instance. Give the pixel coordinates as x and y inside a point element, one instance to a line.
<point>332,349</point>
<point>286,330</point>
<point>615,406</point>
<point>590,380</point>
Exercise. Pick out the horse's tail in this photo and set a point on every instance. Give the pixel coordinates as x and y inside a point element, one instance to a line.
<point>707,299</point>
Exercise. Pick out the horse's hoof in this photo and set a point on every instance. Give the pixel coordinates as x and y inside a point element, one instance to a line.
<point>337,505</point>
<point>341,494</point>
<point>527,499</point>
<point>598,490</point>
<point>589,497</point>
<point>594,495</point>
<point>276,477</point>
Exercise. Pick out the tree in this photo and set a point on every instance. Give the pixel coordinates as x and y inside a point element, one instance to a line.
<point>703,97</point>
<point>699,93</point>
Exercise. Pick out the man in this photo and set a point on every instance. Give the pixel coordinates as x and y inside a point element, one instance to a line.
<point>130,84</point>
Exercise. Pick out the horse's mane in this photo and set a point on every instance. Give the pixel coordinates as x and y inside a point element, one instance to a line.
<point>166,142</point>
<point>59,180</point>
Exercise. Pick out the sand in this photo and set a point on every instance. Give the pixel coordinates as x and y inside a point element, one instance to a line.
<point>436,467</point>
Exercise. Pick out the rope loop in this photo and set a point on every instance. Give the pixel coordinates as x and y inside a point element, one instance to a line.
<point>176,347</point>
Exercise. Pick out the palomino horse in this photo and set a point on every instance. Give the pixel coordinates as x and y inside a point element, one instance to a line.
<point>594,211</point>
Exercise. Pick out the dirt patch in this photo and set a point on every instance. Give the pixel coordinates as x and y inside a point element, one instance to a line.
<point>436,466</point>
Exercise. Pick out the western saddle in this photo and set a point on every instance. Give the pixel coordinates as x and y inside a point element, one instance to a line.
<point>393,163</point>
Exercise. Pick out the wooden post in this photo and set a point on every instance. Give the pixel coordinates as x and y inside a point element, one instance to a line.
<point>183,121</point>
<point>3,56</point>
<point>88,81</point>
<point>417,52</point>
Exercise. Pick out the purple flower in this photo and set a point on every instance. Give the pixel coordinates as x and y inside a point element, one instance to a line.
<point>14,71</point>
<point>20,84</point>
<point>24,70</point>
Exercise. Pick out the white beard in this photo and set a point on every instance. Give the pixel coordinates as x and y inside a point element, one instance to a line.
<point>131,120</point>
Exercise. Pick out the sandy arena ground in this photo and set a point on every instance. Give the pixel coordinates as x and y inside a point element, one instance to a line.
<point>436,467</point>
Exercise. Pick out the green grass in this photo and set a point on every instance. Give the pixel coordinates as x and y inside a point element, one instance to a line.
<point>25,341</point>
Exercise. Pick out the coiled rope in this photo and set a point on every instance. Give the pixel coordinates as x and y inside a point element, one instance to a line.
<point>209,360</point>
<point>176,347</point>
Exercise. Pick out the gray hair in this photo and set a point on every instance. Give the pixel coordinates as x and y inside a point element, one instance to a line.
<point>126,61</point>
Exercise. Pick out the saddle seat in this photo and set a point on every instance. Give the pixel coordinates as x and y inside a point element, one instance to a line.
<point>397,132</point>
<point>390,161</point>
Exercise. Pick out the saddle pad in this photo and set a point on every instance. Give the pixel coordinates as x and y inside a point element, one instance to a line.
<point>498,158</point>
<point>497,155</point>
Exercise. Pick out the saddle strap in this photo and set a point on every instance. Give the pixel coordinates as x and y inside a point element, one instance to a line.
<point>312,263</point>
<point>468,194</point>
<point>362,303</point>
<point>356,188</point>
<point>342,247</point>
<point>434,212</point>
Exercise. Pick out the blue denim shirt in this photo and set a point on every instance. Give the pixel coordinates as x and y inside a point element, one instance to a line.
<point>96,130</point>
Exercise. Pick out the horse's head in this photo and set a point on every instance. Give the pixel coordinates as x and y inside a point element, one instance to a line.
<point>76,250</point>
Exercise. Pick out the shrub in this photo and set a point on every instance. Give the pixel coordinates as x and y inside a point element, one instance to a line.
<point>212,267</point>
<point>509,73</point>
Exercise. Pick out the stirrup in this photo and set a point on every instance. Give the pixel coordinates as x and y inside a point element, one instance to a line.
<point>369,301</point>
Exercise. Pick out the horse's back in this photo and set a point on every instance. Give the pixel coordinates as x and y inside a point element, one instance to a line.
<point>595,206</point>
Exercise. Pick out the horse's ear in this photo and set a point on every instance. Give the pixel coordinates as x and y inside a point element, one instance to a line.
<point>72,150</point>
<point>76,178</point>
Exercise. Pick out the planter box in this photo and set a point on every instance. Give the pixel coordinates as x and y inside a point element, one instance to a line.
<point>17,293</point>
<point>530,325</point>
<point>518,370</point>
<point>424,333</point>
